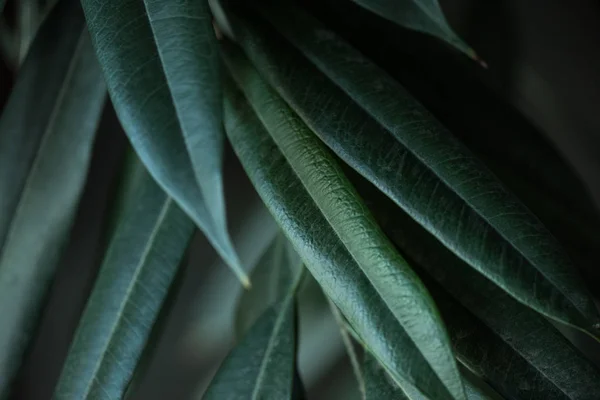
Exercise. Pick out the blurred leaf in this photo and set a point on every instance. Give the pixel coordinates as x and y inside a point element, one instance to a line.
<point>46,136</point>
<point>309,222</point>
<point>381,131</point>
<point>138,269</point>
<point>510,345</point>
<point>161,65</point>
<point>421,15</point>
<point>262,365</point>
<point>270,278</point>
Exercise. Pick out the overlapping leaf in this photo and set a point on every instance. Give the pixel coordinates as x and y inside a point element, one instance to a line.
<point>421,15</point>
<point>271,278</point>
<point>337,239</point>
<point>498,337</point>
<point>379,129</point>
<point>162,69</point>
<point>46,136</point>
<point>262,365</point>
<point>145,251</point>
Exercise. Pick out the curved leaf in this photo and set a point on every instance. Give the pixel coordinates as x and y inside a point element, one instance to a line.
<point>262,365</point>
<point>46,137</point>
<point>162,69</point>
<point>381,131</point>
<point>141,262</point>
<point>421,15</point>
<point>326,251</point>
<point>513,347</point>
<point>271,278</point>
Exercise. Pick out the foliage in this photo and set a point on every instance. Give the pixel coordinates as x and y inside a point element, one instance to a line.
<point>430,246</point>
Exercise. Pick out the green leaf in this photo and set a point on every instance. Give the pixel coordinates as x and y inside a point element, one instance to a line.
<point>378,384</point>
<point>271,277</point>
<point>161,66</point>
<point>141,262</point>
<point>380,130</point>
<point>421,15</point>
<point>510,345</point>
<point>46,137</point>
<point>337,239</point>
<point>262,365</point>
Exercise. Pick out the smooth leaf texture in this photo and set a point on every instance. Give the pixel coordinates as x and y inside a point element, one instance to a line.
<point>501,339</point>
<point>141,262</point>
<point>271,278</point>
<point>46,136</point>
<point>380,130</point>
<point>421,15</point>
<point>262,365</point>
<point>378,384</point>
<point>327,257</point>
<point>162,69</point>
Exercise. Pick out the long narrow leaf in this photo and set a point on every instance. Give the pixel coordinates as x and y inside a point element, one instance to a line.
<point>262,365</point>
<point>141,262</point>
<point>421,15</point>
<point>270,278</point>
<point>500,338</point>
<point>374,125</point>
<point>325,254</point>
<point>46,136</point>
<point>162,70</point>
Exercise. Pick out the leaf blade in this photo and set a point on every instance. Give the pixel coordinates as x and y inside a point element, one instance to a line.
<point>54,109</point>
<point>419,165</point>
<point>323,251</point>
<point>140,264</point>
<point>156,85</point>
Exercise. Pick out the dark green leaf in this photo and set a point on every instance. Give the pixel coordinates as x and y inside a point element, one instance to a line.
<point>381,131</point>
<point>270,278</point>
<point>420,359</point>
<point>141,262</point>
<point>421,15</point>
<point>46,136</point>
<point>378,384</point>
<point>161,65</point>
<point>510,345</point>
<point>262,365</point>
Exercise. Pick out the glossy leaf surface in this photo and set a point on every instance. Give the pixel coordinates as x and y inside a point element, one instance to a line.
<point>421,15</point>
<point>326,256</point>
<point>142,259</point>
<point>378,128</point>
<point>161,65</point>
<point>46,136</point>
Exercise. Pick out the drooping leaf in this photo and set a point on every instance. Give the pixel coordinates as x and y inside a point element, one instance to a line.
<point>512,346</point>
<point>271,278</point>
<point>161,66</point>
<point>325,250</point>
<point>262,365</point>
<point>141,262</point>
<point>380,130</point>
<point>46,136</point>
<point>421,15</point>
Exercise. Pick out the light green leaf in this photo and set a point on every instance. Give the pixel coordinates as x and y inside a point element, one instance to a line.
<point>380,130</point>
<point>512,346</point>
<point>262,365</point>
<point>337,239</point>
<point>141,262</point>
<point>271,278</point>
<point>421,15</point>
<point>46,136</point>
<point>161,66</point>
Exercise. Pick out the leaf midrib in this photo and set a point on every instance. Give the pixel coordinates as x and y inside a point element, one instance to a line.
<point>134,280</point>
